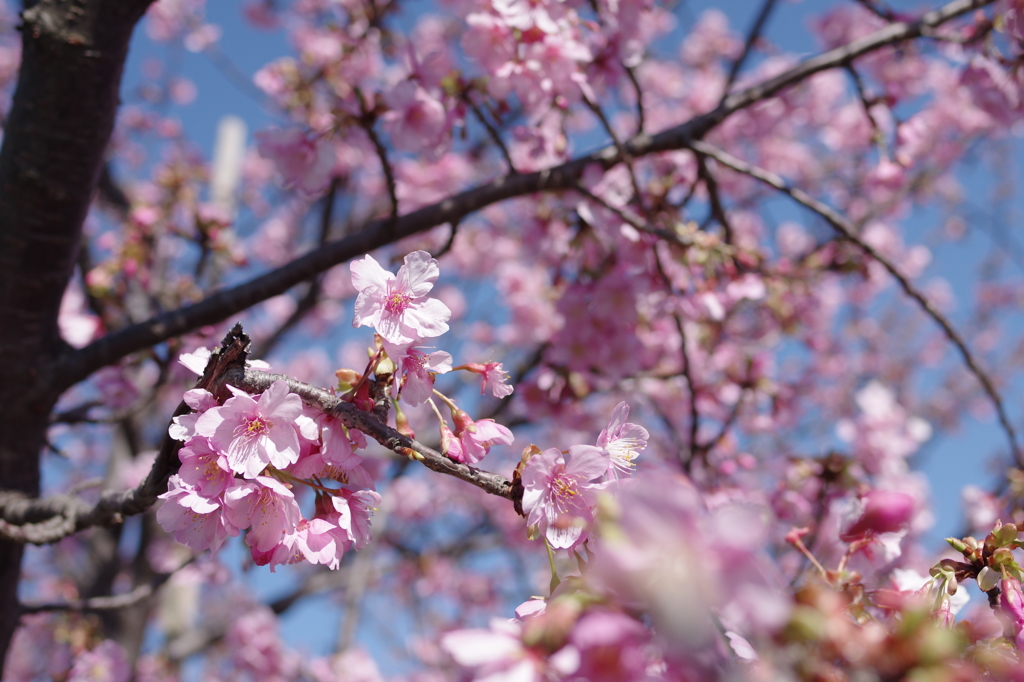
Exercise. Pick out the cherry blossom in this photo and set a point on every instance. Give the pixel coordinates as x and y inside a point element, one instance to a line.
<point>472,440</point>
<point>304,164</point>
<point>193,519</point>
<point>623,441</point>
<point>397,306</point>
<point>494,376</point>
<point>417,121</point>
<point>499,653</point>
<point>415,370</point>
<point>255,433</point>
<point>106,662</point>
<point>266,507</point>
<point>609,187</point>
<point>559,491</point>
<point>876,513</point>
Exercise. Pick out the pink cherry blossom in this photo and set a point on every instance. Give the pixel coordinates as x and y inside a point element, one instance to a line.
<point>193,519</point>
<point>356,509</point>
<point>106,662</point>
<point>339,443</point>
<point>204,469</point>
<point>559,492</point>
<point>183,427</point>
<point>196,360</point>
<point>623,441</point>
<point>417,121</point>
<point>315,539</point>
<point>1011,608</point>
<point>255,433</point>
<point>305,164</point>
<point>488,41</point>
<point>475,438</point>
<point>415,370</point>
<point>876,513</point>
<point>494,377</point>
<point>612,647</point>
<point>256,647</point>
<point>397,306</point>
<point>266,507</point>
<point>500,654</point>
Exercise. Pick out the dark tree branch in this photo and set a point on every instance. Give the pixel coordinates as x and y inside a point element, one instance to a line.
<point>491,130</point>
<point>640,117</point>
<point>866,104</point>
<point>27,519</point>
<point>255,381</point>
<point>844,227</point>
<point>109,603</point>
<point>78,365</point>
<point>705,175</point>
<point>367,121</point>
<point>42,521</point>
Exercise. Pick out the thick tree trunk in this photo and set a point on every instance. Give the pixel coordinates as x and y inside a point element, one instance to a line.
<point>54,140</point>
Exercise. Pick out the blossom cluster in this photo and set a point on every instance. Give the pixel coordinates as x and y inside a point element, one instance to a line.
<point>242,460</point>
<point>404,317</point>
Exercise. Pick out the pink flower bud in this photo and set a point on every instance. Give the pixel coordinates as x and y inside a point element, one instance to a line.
<point>1011,608</point>
<point>881,511</point>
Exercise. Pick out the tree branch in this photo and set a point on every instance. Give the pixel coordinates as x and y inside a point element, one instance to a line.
<point>38,521</point>
<point>255,381</point>
<point>78,365</point>
<point>845,228</point>
<point>109,603</point>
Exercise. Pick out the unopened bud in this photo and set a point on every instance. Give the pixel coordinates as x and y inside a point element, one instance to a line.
<point>463,422</point>
<point>347,378</point>
<point>1006,534</point>
<point>384,367</point>
<point>402,423</point>
<point>1002,556</point>
<point>988,579</point>
<point>958,545</point>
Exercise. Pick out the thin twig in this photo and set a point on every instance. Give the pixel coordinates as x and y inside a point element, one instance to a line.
<point>714,198</point>
<point>867,104</point>
<point>108,603</point>
<point>686,370</point>
<point>624,154</point>
<point>449,243</point>
<point>491,130</point>
<point>382,153</point>
<point>844,227</point>
<point>640,118</point>
<point>635,220</point>
<point>752,37</point>
<point>717,439</point>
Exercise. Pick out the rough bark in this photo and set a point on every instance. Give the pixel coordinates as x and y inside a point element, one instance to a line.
<point>62,115</point>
